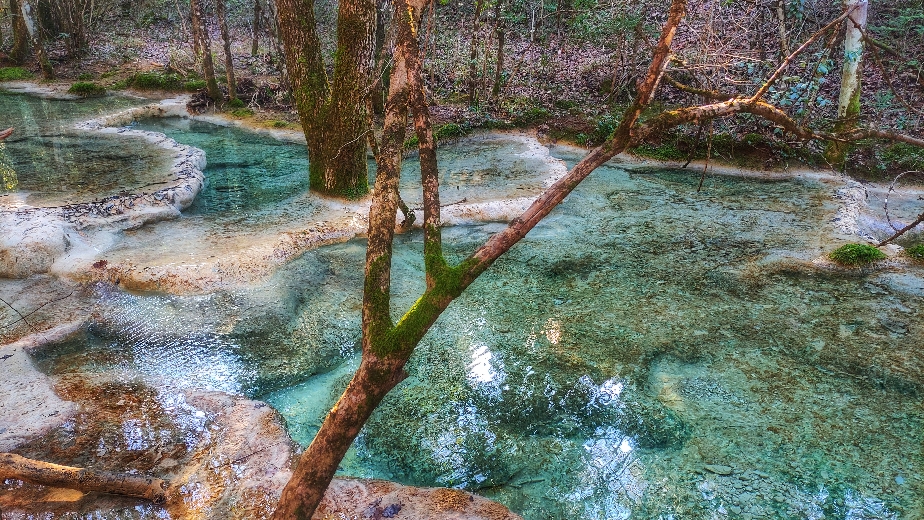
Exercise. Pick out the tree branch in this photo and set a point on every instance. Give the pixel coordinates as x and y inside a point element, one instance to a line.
<point>779,71</point>
<point>13,466</point>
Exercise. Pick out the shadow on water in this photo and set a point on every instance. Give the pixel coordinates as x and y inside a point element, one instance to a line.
<point>646,352</point>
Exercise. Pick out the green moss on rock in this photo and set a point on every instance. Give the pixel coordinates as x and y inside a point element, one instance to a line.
<point>856,254</point>
<point>916,252</point>
<point>86,89</point>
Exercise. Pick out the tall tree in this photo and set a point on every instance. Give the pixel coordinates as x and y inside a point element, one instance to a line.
<point>30,20</point>
<point>226,40</point>
<point>201,35</point>
<point>332,110</point>
<point>473,54</point>
<point>20,35</point>
<point>255,30</point>
<point>848,106</point>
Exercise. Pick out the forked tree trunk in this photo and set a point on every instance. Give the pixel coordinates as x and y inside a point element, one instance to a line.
<point>333,114</point>
<point>226,40</point>
<point>848,107</point>
<point>387,346</point>
<point>202,36</point>
<point>35,35</point>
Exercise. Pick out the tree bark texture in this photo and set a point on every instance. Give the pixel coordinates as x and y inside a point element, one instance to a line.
<point>35,35</point>
<point>848,106</point>
<point>473,55</point>
<point>13,466</point>
<point>226,40</point>
<point>202,35</point>
<point>333,114</point>
<point>20,35</point>
<point>255,30</point>
<point>499,60</point>
<point>378,372</point>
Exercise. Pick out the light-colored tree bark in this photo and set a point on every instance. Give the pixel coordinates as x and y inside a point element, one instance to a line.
<point>27,10</point>
<point>332,110</point>
<point>14,466</point>
<point>848,106</point>
<point>226,40</point>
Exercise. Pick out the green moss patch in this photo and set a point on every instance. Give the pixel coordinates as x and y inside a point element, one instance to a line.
<point>157,81</point>
<point>14,73</point>
<point>194,85</point>
<point>916,252</point>
<point>856,254</point>
<point>86,89</point>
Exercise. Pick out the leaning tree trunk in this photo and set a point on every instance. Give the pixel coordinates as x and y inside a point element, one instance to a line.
<point>848,107</point>
<point>35,34</point>
<point>226,40</point>
<point>387,346</point>
<point>333,115</point>
<point>202,36</point>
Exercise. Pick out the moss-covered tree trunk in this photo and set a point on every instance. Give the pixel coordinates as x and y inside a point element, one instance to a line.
<point>201,34</point>
<point>848,107</point>
<point>20,35</point>
<point>226,40</point>
<point>387,346</point>
<point>332,110</point>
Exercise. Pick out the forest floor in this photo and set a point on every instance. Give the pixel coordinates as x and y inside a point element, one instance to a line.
<point>571,101</point>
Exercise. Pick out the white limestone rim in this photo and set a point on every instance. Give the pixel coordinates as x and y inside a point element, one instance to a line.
<point>35,238</point>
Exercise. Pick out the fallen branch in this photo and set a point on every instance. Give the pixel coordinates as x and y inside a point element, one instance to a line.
<point>16,467</point>
<point>6,133</point>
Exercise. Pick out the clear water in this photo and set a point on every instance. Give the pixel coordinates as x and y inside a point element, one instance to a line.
<point>640,333</point>
<point>48,163</point>
<point>245,171</point>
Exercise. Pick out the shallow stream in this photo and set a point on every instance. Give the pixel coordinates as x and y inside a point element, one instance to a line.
<point>646,352</point>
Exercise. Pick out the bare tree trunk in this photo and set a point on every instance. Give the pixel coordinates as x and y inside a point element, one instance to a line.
<point>255,31</point>
<point>848,107</point>
<point>781,24</point>
<point>13,466</point>
<point>194,32</point>
<point>473,55</point>
<point>208,68</point>
<point>226,39</point>
<point>499,59</point>
<point>333,115</point>
<point>35,34</point>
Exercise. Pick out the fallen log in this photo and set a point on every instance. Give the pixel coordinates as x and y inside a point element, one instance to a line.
<point>6,133</point>
<point>14,466</point>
